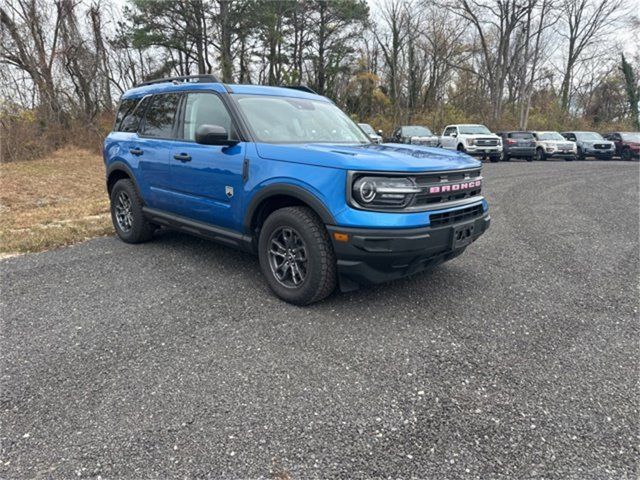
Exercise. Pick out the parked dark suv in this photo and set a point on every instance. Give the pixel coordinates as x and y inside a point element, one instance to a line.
<point>518,145</point>
<point>285,174</point>
<point>627,144</point>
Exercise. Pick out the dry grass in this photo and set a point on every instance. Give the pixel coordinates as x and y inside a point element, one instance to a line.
<point>54,201</point>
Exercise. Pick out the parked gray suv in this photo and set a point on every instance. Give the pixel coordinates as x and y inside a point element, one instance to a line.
<point>591,144</point>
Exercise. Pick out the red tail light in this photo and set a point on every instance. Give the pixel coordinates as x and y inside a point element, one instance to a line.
<point>511,141</point>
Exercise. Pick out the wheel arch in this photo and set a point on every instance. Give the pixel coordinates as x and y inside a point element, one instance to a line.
<point>118,171</point>
<point>273,197</point>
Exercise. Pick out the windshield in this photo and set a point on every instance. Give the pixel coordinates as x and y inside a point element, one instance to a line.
<point>366,128</point>
<point>295,120</point>
<point>631,136</point>
<point>589,136</point>
<point>473,129</point>
<point>415,131</point>
<point>550,136</point>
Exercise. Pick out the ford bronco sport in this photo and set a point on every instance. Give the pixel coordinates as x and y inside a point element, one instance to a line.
<point>285,174</point>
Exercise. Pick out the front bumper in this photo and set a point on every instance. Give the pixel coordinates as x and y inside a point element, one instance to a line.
<point>599,153</point>
<point>560,154</point>
<point>477,151</point>
<point>379,255</point>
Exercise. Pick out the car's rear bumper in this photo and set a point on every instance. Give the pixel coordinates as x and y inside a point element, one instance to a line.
<point>378,255</point>
<point>520,152</point>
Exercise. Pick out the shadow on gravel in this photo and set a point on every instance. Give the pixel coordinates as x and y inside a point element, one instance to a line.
<point>433,287</point>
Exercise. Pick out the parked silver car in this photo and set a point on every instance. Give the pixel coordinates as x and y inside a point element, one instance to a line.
<point>591,144</point>
<point>376,137</point>
<point>554,145</point>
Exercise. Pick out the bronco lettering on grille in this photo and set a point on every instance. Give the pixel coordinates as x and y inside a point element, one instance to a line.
<point>455,187</point>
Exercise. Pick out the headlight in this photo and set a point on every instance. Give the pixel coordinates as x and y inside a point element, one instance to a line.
<point>471,141</point>
<point>384,192</point>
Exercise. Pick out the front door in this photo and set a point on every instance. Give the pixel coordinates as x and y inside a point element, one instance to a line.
<point>206,179</point>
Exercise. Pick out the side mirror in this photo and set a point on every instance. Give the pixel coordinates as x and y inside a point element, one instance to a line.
<point>380,132</point>
<point>454,135</point>
<point>213,135</point>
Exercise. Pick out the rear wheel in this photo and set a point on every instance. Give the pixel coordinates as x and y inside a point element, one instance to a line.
<point>126,213</point>
<point>296,256</point>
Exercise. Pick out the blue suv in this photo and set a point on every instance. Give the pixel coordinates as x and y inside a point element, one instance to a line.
<point>284,173</point>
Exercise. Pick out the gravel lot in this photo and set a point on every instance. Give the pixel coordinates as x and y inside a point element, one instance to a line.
<point>519,359</point>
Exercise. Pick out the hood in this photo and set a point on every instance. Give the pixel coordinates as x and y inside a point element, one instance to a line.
<point>385,157</point>
<point>555,143</point>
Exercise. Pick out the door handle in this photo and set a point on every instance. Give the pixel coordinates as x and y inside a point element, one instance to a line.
<point>183,157</point>
<point>135,151</point>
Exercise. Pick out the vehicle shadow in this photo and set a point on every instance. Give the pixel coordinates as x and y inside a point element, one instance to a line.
<point>432,286</point>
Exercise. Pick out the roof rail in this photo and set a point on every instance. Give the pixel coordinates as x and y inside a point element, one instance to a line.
<point>186,79</point>
<point>302,88</point>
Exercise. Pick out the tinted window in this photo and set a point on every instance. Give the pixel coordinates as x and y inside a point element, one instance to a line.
<point>129,114</point>
<point>158,120</point>
<point>449,131</point>
<point>201,109</point>
<point>416,131</point>
<point>526,135</point>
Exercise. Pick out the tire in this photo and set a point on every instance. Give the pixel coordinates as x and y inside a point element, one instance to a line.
<point>494,158</point>
<point>316,274</point>
<point>570,159</point>
<point>461,148</point>
<point>126,213</point>
<point>505,158</point>
<point>530,159</point>
<point>580,154</point>
<point>626,155</point>
<point>540,154</point>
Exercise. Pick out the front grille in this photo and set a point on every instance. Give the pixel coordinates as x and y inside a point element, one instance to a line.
<point>565,146</point>
<point>486,142</point>
<point>456,216</point>
<point>446,187</point>
<point>602,146</point>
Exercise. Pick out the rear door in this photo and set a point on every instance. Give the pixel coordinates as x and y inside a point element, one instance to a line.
<point>206,180</point>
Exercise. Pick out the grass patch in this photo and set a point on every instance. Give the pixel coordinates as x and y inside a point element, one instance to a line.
<point>54,201</point>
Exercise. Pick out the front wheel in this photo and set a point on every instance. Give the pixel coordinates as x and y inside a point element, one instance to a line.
<point>540,154</point>
<point>580,154</point>
<point>626,154</point>
<point>296,256</point>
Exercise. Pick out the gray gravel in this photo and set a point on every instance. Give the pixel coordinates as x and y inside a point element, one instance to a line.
<point>519,359</point>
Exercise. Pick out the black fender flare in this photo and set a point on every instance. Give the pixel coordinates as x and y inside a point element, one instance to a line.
<point>292,191</point>
<point>123,167</point>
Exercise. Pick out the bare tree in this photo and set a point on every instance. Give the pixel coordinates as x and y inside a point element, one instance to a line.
<point>587,23</point>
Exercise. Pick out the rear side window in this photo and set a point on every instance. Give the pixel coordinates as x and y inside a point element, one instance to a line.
<point>160,115</point>
<point>129,114</point>
<point>525,135</point>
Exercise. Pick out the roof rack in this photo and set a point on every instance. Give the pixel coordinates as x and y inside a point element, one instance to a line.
<point>185,79</point>
<point>302,88</point>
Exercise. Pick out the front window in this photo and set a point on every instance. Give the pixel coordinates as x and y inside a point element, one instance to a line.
<point>473,130</point>
<point>631,137</point>
<point>545,136</point>
<point>589,136</point>
<point>276,119</point>
<point>416,131</point>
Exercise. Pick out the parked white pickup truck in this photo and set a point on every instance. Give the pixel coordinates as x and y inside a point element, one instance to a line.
<point>474,140</point>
